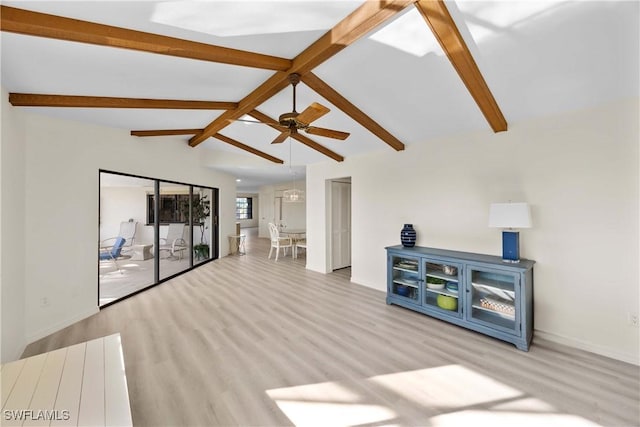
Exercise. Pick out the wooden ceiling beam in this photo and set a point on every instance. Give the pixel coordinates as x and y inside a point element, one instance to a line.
<point>57,27</point>
<point>327,92</point>
<point>297,136</point>
<point>444,29</point>
<point>38,100</point>
<point>164,132</point>
<point>266,90</point>
<point>223,138</point>
<point>247,148</point>
<point>365,18</point>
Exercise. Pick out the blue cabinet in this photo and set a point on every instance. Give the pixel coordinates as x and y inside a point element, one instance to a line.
<point>475,291</point>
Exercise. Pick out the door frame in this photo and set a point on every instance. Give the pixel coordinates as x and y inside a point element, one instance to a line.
<point>329,218</point>
<point>214,233</point>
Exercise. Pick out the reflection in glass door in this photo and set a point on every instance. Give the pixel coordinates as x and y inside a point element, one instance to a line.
<point>125,258</point>
<point>175,238</point>
<point>201,215</point>
<point>150,231</point>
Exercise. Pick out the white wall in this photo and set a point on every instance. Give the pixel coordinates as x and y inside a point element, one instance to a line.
<point>12,227</point>
<point>579,172</point>
<point>60,170</point>
<point>253,222</point>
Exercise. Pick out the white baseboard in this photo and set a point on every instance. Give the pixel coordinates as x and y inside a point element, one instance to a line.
<point>366,284</point>
<point>586,346</point>
<point>61,324</point>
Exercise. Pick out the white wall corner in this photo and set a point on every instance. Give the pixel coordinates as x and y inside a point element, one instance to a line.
<point>55,327</point>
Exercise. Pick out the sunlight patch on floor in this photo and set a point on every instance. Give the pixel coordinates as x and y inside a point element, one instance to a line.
<point>508,419</point>
<point>328,403</point>
<point>334,414</point>
<point>444,387</point>
<point>450,395</point>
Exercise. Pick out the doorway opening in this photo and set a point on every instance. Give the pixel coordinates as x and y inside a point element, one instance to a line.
<point>340,224</point>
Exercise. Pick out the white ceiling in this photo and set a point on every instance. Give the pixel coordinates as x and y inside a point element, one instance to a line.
<point>539,58</point>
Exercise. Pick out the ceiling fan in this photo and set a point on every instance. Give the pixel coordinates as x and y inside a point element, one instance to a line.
<point>292,122</point>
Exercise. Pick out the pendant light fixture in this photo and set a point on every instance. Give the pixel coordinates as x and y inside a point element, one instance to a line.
<point>293,195</point>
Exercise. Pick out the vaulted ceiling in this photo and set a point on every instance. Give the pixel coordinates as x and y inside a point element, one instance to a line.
<point>393,73</point>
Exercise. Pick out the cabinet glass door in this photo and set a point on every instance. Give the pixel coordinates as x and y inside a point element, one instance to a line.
<point>441,287</point>
<point>405,280</point>
<point>493,300</point>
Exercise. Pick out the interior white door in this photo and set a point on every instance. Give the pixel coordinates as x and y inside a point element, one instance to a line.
<point>266,209</point>
<point>277,210</point>
<point>340,224</point>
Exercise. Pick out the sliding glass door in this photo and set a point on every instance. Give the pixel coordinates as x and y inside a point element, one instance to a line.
<point>175,240</point>
<point>202,211</point>
<point>125,250</point>
<point>151,230</point>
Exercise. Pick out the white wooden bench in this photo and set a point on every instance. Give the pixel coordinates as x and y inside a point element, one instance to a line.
<point>81,385</point>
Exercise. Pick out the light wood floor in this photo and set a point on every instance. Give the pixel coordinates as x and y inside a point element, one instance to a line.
<point>248,341</point>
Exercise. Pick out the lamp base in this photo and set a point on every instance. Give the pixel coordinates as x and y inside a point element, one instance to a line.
<point>511,246</point>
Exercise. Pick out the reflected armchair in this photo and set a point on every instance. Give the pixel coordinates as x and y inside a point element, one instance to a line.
<point>127,232</point>
<point>113,253</point>
<point>174,243</point>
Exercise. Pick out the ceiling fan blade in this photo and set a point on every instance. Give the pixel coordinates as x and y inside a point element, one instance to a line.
<point>311,113</point>
<point>282,137</point>
<point>329,133</point>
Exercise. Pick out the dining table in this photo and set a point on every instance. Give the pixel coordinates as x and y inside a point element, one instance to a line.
<point>296,235</point>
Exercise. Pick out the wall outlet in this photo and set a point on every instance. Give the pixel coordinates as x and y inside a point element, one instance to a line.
<point>632,319</point>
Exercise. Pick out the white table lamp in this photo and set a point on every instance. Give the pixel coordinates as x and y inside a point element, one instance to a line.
<point>509,216</point>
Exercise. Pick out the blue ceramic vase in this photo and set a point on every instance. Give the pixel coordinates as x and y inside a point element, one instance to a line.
<point>408,236</point>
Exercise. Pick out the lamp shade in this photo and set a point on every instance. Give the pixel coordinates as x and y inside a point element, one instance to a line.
<point>509,215</point>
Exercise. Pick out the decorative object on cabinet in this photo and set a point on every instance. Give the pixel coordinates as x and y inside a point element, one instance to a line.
<point>510,216</point>
<point>435,282</point>
<point>408,236</point>
<point>403,290</point>
<point>447,302</point>
<point>452,287</point>
<point>447,269</point>
<point>485,294</point>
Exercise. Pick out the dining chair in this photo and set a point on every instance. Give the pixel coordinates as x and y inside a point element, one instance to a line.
<point>299,244</point>
<point>278,242</point>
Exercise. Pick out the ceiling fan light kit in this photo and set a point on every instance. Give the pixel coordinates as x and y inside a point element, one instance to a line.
<point>292,196</point>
